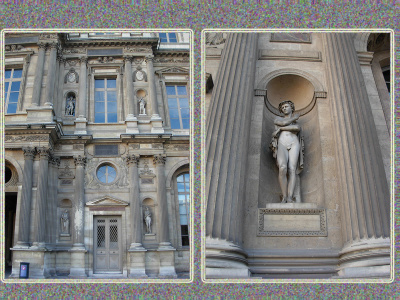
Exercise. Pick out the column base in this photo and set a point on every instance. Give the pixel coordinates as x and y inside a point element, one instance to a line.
<point>36,260</point>
<point>368,258</point>
<point>225,260</point>
<point>78,263</point>
<point>131,124</point>
<point>80,125</point>
<point>156,124</point>
<point>167,262</point>
<point>137,263</point>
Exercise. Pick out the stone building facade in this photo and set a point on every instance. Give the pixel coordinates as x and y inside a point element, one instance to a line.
<point>339,225</point>
<point>97,148</point>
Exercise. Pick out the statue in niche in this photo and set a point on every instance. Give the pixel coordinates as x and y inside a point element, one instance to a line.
<point>70,106</point>
<point>147,219</point>
<point>65,222</point>
<point>142,106</point>
<point>287,147</point>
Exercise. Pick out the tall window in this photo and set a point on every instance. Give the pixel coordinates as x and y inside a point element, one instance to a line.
<point>182,182</point>
<point>168,37</point>
<point>105,101</point>
<point>178,104</point>
<point>386,75</point>
<point>12,84</point>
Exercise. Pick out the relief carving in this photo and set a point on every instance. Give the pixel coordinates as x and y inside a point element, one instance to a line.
<point>64,222</point>
<point>176,147</point>
<point>171,60</point>
<point>74,50</point>
<point>66,172</point>
<point>137,49</point>
<point>26,138</point>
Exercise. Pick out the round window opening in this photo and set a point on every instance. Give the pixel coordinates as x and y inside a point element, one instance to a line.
<point>106,173</point>
<point>8,174</point>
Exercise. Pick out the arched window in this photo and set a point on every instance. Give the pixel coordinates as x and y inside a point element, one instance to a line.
<point>183,189</point>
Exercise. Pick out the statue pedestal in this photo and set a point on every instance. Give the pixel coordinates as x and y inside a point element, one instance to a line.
<point>157,126</point>
<point>167,261</point>
<point>40,114</point>
<point>80,125</point>
<point>291,219</point>
<point>36,260</point>
<point>137,258</point>
<point>132,124</point>
<point>77,263</point>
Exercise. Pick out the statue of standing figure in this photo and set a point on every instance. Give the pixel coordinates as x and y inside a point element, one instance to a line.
<point>147,219</point>
<point>142,106</point>
<point>65,222</point>
<point>70,107</point>
<point>287,146</point>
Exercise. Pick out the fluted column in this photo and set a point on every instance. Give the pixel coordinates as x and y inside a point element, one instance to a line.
<point>152,85</point>
<point>51,74</point>
<point>26,199</point>
<point>41,198</point>
<point>51,210</point>
<point>79,224</point>
<point>82,89</point>
<point>37,85</point>
<point>162,207</point>
<point>136,218</point>
<point>365,193</point>
<point>129,98</point>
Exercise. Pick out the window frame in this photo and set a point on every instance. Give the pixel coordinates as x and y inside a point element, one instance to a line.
<point>168,38</point>
<point>7,93</point>
<point>105,90</point>
<point>178,103</point>
<point>187,206</point>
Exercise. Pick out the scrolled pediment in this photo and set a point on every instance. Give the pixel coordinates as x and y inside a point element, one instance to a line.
<point>107,201</point>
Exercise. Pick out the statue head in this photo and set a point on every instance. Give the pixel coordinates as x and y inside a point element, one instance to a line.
<point>286,102</point>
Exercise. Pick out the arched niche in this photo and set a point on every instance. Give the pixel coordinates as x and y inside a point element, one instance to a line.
<point>149,203</point>
<point>284,85</point>
<point>70,104</point>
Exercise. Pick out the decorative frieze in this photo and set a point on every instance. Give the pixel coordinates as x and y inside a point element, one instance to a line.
<point>171,60</point>
<point>26,138</point>
<point>14,48</point>
<point>137,49</point>
<point>176,147</point>
<point>74,50</point>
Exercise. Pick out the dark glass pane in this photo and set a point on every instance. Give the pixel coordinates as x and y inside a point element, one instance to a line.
<point>8,74</point>
<point>185,241</point>
<point>99,96</point>
<point>15,86</point>
<point>181,89</point>
<point>172,37</point>
<point>111,107</point>
<point>13,97</point>
<point>112,118</point>
<point>163,37</point>
<point>99,107</point>
<point>185,123</point>
<point>171,90</point>
<point>17,73</point>
<point>172,103</point>
<point>8,175</point>
<point>12,108</point>
<point>99,118</point>
<point>111,96</point>
<point>99,83</point>
<point>175,124</point>
<point>111,83</point>
<point>184,229</point>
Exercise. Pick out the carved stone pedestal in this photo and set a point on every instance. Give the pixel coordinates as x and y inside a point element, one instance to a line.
<point>132,125</point>
<point>36,260</point>
<point>291,219</point>
<point>77,263</point>
<point>167,262</point>
<point>80,126</point>
<point>137,259</point>
<point>156,123</point>
<point>42,114</point>
<point>224,260</point>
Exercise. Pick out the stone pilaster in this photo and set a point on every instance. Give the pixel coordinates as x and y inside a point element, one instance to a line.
<point>81,121</point>
<point>129,97</point>
<point>37,85</point>
<point>228,127</point>
<point>365,194</point>
<point>51,205</point>
<point>166,251</point>
<point>26,199</point>
<point>41,199</point>
<point>51,75</point>
<point>152,85</point>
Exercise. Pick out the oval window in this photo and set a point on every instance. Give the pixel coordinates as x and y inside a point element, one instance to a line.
<point>106,173</point>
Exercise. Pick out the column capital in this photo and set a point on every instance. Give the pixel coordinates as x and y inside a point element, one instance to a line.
<point>159,159</point>
<point>29,152</point>
<point>55,160</point>
<point>83,59</point>
<point>150,58</point>
<point>42,46</point>
<point>44,152</point>
<point>53,45</point>
<point>80,160</point>
<point>128,58</point>
<point>132,159</point>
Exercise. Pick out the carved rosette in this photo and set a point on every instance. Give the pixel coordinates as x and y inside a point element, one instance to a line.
<point>131,159</point>
<point>80,160</point>
<point>159,159</point>
<point>29,152</point>
<point>43,152</point>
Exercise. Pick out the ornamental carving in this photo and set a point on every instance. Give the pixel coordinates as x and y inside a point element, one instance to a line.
<point>92,182</point>
<point>66,172</point>
<point>26,138</point>
<point>72,76</point>
<point>54,160</point>
<point>138,60</point>
<point>215,38</point>
<point>48,36</point>
<point>74,50</point>
<point>131,159</point>
<point>103,59</point>
<point>72,62</point>
<point>80,160</point>
<point>14,48</point>
<point>137,49</point>
<point>159,159</point>
<point>146,172</point>
<point>176,147</point>
<point>43,152</point>
<point>29,152</point>
<point>171,60</point>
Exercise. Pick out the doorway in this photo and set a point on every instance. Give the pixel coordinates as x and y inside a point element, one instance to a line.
<point>107,244</point>
<point>10,210</point>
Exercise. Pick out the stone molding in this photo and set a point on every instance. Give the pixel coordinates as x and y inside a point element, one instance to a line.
<point>26,138</point>
<point>312,56</point>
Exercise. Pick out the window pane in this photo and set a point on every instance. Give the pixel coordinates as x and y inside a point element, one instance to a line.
<point>111,96</point>
<point>181,187</point>
<point>6,87</point>
<point>181,89</point>
<point>187,178</point>
<point>182,198</point>
<point>172,37</point>
<point>173,113</point>
<point>187,186</point>
<point>185,123</point>
<point>184,230</point>
<point>111,83</point>
<point>179,178</point>
<point>17,73</point>
<point>98,96</point>
<point>99,83</point>
<point>111,107</point>
<point>15,86</point>
<point>183,103</point>
<point>175,124</point>
<point>99,107</point>
<point>185,113</point>
<point>111,174</point>
<point>12,108</point>
<point>183,220</point>
<point>112,118</point>
<point>13,97</point>
<point>185,241</point>
<point>172,103</point>
<point>182,210</point>
<point>99,118</point>
<point>171,90</point>
<point>8,74</point>
<point>163,37</point>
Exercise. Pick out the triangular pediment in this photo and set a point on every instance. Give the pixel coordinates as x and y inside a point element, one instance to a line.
<point>107,201</point>
<point>173,70</point>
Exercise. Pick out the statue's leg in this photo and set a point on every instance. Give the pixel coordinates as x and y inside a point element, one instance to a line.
<point>293,158</point>
<point>282,159</point>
